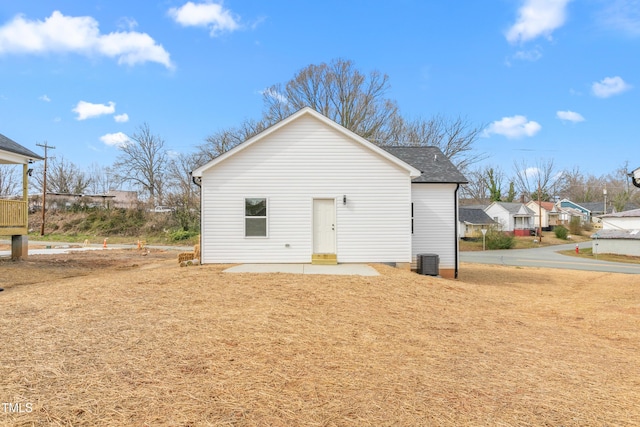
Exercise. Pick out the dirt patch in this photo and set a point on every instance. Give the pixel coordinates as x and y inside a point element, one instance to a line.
<point>123,345</point>
<point>51,268</point>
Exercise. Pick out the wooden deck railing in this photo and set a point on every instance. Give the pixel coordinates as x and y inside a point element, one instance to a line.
<point>13,214</point>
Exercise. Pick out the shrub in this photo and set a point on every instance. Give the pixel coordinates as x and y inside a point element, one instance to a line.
<point>561,232</point>
<point>575,226</point>
<point>497,239</point>
<point>179,235</point>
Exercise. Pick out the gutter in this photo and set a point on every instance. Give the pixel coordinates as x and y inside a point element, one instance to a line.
<point>455,234</point>
<point>197,180</point>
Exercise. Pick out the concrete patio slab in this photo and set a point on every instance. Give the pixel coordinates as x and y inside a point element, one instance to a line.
<point>339,269</point>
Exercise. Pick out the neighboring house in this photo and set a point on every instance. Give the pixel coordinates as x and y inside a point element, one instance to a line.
<point>627,220</point>
<point>588,210</point>
<point>620,234</point>
<point>565,215</point>
<point>14,218</point>
<point>550,214</point>
<point>620,242</point>
<point>512,217</point>
<point>472,221</point>
<point>308,190</point>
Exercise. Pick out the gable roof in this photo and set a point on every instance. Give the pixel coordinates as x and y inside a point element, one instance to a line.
<point>474,216</point>
<point>624,214</point>
<point>13,147</point>
<point>594,207</point>
<point>564,202</point>
<point>617,234</point>
<point>513,208</point>
<point>434,165</point>
<point>548,206</point>
<point>307,111</point>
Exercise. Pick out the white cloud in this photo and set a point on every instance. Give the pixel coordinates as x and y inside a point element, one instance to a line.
<point>210,15</point>
<point>531,55</point>
<point>622,15</point>
<point>127,23</point>
<point>513,127</point>
<point>537,18</point>
<point>271,93</point>
<point>121,118</point>
<point>118,139</point>
<point>570,116</point>
<point>531,172</point>
<point>609,86</point>
<point>87,110</point>
<point>62,34</point>
<point>44,98</point>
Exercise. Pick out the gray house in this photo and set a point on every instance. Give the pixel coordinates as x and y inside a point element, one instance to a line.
<point>472,221</point>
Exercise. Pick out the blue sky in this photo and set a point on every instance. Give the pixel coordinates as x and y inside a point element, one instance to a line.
<point>545,78</point>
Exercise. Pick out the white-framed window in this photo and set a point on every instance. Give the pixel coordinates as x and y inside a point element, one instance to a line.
<point>255,217</point>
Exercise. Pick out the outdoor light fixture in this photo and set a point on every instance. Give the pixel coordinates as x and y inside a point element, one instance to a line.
<point>635,177</point>
<point>344,199</point>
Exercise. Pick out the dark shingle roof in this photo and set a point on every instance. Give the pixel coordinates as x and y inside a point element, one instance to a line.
<point>474,216</point>
<point>434,165</point>
<point>11,146</point>
<point>515,207</point>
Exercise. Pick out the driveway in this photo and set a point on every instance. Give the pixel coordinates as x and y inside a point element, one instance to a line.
<point>548,257</point>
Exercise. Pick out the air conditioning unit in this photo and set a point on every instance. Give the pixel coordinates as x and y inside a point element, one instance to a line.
<point>428,264</point>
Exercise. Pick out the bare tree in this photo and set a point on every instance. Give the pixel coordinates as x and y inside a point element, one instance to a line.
<point>339,91</point>
<point>102,179</point>
<point>10,180</point>
<point>182,190</point>
<point>620,192</point>
<point>454,136</point>
<point>358,102</point>
<point>142,162</point>
<point>224,140</point>
<point>63,176</point>
<point>485,184</point>
<point>578,187</point>
<point>533,178</point>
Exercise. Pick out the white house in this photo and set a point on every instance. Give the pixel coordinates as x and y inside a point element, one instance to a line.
<point>513,217</point>
<point>550,214</point>
<point>308,190</point>
<point>626,220</point>
<point>620,234</point>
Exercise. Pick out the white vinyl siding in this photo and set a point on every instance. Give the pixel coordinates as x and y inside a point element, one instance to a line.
<point>434,222</point>
<point>621,223</point>
<point>302,161</point>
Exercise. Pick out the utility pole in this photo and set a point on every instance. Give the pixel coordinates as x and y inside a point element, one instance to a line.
<point>46,146</point>
<point>539,210</point>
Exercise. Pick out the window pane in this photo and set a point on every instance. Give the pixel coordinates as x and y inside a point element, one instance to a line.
<point>255,207</point>
<point>255,227</point>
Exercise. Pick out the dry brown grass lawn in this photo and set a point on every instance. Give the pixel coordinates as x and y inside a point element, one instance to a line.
<point>132,340</point>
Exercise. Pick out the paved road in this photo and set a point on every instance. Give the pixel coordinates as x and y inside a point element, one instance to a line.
<point>548,257</point>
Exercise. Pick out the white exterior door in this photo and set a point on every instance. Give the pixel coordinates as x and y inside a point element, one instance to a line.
<point>324,226</point>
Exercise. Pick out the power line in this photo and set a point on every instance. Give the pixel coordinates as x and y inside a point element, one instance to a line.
<point>46,147</point>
